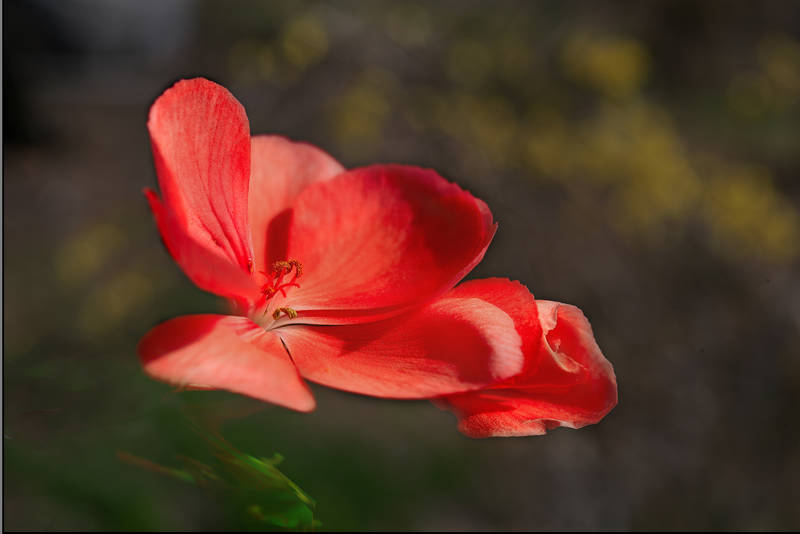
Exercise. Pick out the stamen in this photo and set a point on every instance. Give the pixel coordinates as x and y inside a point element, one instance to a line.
<point>288,311</point>
<point>278,271</point>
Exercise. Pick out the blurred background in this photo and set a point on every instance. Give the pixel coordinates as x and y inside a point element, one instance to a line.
<point>641,159</point>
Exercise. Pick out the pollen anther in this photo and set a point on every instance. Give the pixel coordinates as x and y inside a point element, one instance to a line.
<point>288,311</point>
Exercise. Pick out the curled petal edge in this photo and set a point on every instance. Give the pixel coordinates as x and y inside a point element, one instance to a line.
<point>566,382</point>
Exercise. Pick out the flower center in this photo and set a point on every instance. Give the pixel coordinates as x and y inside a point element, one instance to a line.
<point>282,275</point>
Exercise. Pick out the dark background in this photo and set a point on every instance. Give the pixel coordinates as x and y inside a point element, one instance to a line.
<point>641,159</point>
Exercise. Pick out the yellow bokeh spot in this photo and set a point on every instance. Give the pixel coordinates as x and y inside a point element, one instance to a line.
<point>780,57</point>
<point>251,61</point>
<point>780,60</point>
<point>304,41</point>
<point>747,216</point>
<point>84,254</point>
<point>632,155</point>
<point>487,125</point>
<point>616,66</point>
<point>492,126</point>
<point>546,145</point>
<point>360,111</point>
<point>114,301</point>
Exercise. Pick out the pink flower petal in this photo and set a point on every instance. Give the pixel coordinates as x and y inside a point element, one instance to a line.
<point>451,345</point>
<point>201,146</point>
<point>224,352</point>
<point>206,267</point>
<point>279,170</point>
<point>381,240</point>
<point>566,382</point>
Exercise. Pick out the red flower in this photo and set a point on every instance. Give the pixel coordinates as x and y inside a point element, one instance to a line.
<point>345,278</point>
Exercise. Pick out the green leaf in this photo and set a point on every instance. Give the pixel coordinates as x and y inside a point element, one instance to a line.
<point>253,489</point>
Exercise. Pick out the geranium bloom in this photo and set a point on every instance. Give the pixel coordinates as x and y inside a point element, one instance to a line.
<point>346,278</point>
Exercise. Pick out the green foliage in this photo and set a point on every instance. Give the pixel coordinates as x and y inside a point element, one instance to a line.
<point>254,492</point>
